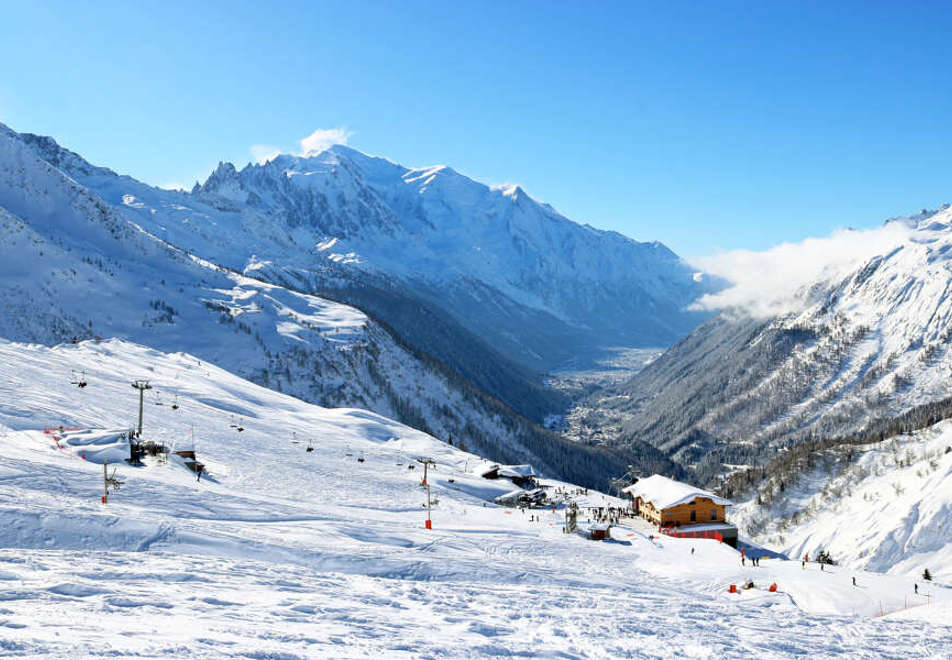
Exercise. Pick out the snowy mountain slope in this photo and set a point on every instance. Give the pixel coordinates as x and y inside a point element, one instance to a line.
<point>74,266</point>
<point>262,246</point>
<point>279,552</point>
<point>855,350</point>
<point>526,280</point>
<point>889,510</point>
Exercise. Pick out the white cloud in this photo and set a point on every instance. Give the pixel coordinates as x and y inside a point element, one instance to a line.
<point>773,281</point>
<point>262,153</point>
<point>314,143</point>
<point>323,138</point>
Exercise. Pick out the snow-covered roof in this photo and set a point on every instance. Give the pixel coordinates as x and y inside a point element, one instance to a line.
<point>664,493</point>
<point>511,496</point>
<point>520,494</point>
<point>511,471</point>
<point>517,471</point>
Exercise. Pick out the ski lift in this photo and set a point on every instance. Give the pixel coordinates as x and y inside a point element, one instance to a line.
<point>175,403</point>
<point>158,399</point>
<point>294,439</point>
<point>78,381</point>
<point>310,447</point>
<point>360,459</point>
<point>239,426</point>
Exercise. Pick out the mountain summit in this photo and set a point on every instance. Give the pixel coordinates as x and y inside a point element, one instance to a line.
<point>521,275</point>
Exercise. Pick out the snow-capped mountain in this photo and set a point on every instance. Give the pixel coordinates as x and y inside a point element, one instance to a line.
<point>73,265</point>
<point>853,352</point>
<point>525,279</point>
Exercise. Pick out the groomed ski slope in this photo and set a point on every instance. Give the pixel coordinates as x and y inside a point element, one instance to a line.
<point>281,553</point>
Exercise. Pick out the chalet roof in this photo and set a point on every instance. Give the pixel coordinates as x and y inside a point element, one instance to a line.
<point>664,493</point>
<point>517,471</point>
<point>510,471</point>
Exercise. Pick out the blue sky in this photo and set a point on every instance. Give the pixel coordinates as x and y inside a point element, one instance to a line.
<point>704,125</point>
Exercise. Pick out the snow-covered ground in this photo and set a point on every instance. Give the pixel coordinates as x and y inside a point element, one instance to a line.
<point>889,511</point>
<point>284,553</point>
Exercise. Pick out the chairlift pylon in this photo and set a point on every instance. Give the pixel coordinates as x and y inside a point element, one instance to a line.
<point>78,381</point>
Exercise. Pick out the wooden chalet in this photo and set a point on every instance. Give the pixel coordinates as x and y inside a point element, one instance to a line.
<point>680,509</point>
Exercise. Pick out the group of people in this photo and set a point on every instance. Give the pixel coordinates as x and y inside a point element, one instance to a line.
<point>609,515</point>
<point>754,561</point>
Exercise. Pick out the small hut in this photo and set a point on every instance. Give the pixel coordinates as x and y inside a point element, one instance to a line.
<point>599,531</point>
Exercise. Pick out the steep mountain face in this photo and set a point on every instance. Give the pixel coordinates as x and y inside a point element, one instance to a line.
<point>485,280</point>
<point>519,275</point>
<point>501,262</point>
<point>74,266</point>
<point>855,350</point>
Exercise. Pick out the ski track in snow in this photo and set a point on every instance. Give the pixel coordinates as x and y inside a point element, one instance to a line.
<point>282,553</point>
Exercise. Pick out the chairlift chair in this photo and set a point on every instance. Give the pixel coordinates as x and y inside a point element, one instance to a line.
<point>175,403</point>
<point>78,381</point>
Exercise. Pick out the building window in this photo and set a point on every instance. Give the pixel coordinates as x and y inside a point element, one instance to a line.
<point>693,516</point>
<point>713,514</point>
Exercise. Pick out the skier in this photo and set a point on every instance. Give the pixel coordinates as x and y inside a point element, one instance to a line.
<point>854,581</point>
<point>916,587</point>
<point>692,551</point>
